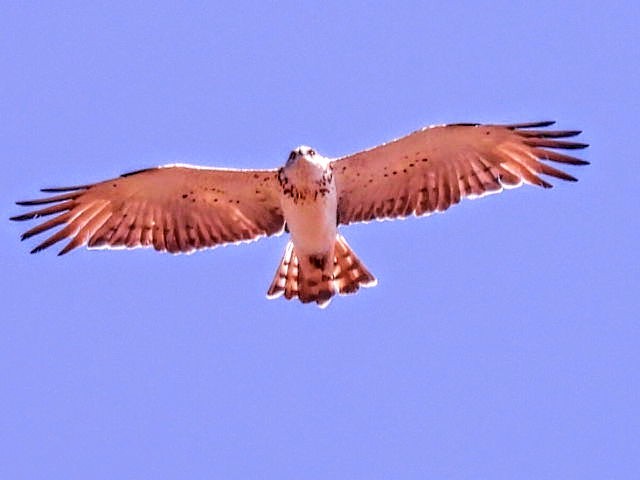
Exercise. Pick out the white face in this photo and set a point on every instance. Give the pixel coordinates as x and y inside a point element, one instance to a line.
<point>302,152</point>
<point>305,158</point>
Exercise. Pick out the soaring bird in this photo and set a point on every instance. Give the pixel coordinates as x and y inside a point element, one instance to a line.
<point>182,208</point>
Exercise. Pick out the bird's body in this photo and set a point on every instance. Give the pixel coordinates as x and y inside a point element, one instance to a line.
<point>309,201</point>
<point>311,269</point>
<point>181,208</point>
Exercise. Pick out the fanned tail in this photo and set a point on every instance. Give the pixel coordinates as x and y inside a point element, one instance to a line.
<point>286,278</point>
<point>316,279</point>
<point>349,273</point>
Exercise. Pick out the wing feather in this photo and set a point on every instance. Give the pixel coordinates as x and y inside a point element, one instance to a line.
<point>434,168</point>
<point>176,208</point>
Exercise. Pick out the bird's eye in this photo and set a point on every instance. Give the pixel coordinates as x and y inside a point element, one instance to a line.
<point>312,151</point>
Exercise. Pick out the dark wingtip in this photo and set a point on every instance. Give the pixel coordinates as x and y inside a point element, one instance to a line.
<point>463,124</point>
<point>28,234</point>
<point>64,189</point>
<point>575,145</point>
<point>135,172</point>
<point>68,247</point>
<point>24,216</point>
<point>541,124</point>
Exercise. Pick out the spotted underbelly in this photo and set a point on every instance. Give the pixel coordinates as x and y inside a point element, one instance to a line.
<point>312,222</point>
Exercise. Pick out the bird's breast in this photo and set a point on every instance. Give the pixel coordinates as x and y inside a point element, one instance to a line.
<point>310,208</point>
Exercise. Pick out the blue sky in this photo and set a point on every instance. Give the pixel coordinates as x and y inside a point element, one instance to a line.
<point>502,340</point>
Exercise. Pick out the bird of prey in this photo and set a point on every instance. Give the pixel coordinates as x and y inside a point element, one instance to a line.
<point>182,208</point>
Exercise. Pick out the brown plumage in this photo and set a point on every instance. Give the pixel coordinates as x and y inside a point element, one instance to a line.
<point>434,168</point>
<point>175,208</point>
<point>181,208</point>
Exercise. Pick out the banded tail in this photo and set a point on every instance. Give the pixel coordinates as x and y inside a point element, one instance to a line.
<point>311,280</point>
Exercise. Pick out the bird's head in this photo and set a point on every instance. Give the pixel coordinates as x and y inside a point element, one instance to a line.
<point>300,153</point>
<point>304,156</point>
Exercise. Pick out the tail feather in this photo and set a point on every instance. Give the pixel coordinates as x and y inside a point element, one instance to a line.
<point>349,272</point>
<point>285,282</point>
<point>291,285</point>
<point>316,279</point>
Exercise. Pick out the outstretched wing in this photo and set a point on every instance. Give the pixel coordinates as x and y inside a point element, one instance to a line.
<point>176,208</point>
<point>433,168</point>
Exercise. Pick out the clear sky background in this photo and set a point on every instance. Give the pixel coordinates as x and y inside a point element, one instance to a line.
<point>503,338</point>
